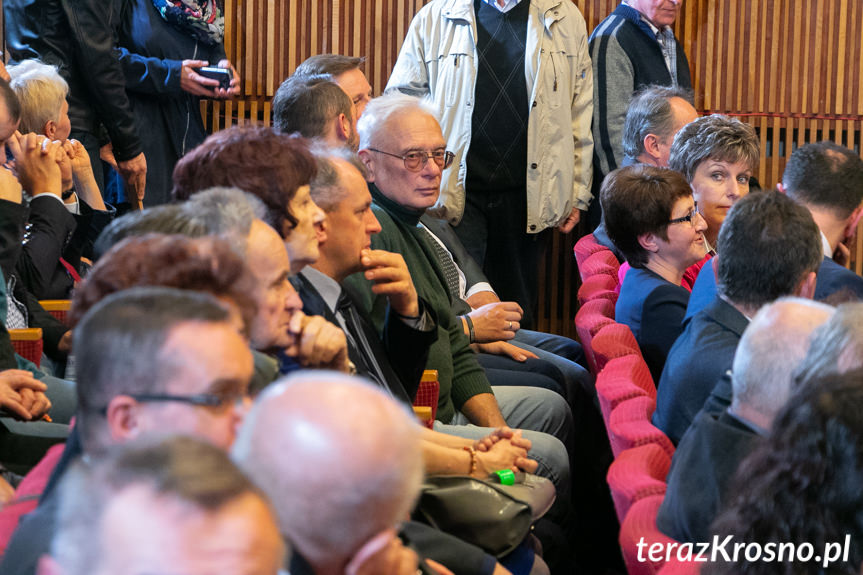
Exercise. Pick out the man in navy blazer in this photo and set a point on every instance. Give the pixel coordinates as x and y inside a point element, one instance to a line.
<point>713,447</point>
<point>827,179</point>
<point>768,247</point>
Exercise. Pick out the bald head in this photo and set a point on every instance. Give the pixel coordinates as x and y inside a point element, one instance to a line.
<point>772,346</point>
<point>340,460</point>
<point>837,346</point>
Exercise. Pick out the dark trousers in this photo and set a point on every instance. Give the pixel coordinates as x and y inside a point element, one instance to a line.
<point>493,231</point>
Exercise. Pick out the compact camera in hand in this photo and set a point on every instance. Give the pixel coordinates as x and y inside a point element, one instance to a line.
<point>223,75</point>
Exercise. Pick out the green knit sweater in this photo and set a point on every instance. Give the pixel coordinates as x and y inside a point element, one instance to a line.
<point>460,375</point>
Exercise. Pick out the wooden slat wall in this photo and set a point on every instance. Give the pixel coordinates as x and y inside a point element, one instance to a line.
<point>791,68</point>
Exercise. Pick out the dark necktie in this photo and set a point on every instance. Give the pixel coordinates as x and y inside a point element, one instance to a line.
<point>368,363</point>
<point>446,262</point>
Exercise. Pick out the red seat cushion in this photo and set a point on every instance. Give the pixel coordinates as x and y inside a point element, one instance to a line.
<point>637,473</point>
<point>629,426</point>
<point>639,526</point>
<point>613,340</point>
<point>598,286</point>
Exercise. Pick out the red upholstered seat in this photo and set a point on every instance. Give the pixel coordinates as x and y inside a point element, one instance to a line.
<point>599,263</point>
<point>27,495</point>
<point>637,473</point>
<point>591,317</point>
<point>28,343</point>
<point>428,394</point>
<point>585,247</point>
<point>629,426</point>
<point>639,526</point>
<point>598,286</point>
<point>613,389</point>
<point>613,340</point>
<point>675,567</point>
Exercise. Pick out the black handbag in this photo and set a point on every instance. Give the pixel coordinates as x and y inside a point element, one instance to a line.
<point>490,515</point>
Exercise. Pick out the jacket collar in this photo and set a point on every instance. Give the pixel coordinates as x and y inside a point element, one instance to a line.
<point>463,10</point>
<point>397,211</point>
<point>726,315</point>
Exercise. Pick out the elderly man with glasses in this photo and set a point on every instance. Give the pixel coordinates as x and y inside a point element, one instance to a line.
<point>404,151</point>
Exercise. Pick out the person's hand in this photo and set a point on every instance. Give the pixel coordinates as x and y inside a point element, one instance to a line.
<point>496,321</point>
<point>36,163</point>
<point>106,154</point>
<point>12,383</point>
<point>10,187</point>
<point>194,83</point>
<point>842,254</point>
<point>570,222</point>
<point>65,343</point>
<point>80,159</point>
<point>36,403</point>
<point>506,349</point>
<point>65,163</point>
<point>385,553</point>
<point>318,343</point>
<point>503,455</point>
<point>134,172</point>
<point>390,277</point>
<point>514,435</point>
<point>7,492</point>
<point>234,90</point>
<point>82,173</point>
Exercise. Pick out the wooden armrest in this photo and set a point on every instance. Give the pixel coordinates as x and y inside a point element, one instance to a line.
<point>423,413</point>
<point>27,334</point>
<point>56,304</point>
<point>429,375</point>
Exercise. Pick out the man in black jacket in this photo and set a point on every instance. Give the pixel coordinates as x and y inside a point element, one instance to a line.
<point>78,36</point>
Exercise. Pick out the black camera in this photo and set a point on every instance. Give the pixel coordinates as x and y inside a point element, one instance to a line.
<point>223,75</point>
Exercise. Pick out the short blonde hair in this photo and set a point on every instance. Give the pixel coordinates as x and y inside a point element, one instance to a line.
<point>41,91</point>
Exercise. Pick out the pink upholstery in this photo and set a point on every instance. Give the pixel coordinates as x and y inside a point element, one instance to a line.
<point>598,286</point>
<point>599,263</point>
<point>27,495</point>
<point>613,389</point>
<point>591,317</point>
<point>585,247</point>
<point>640,526</point>
<point>637,473</point>
<point>629,426</point>
<point>613,340</point>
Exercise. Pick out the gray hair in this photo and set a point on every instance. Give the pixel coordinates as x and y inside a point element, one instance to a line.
<point>119,348</point>
<point>167,219</point>
<point>326,187</point>
<point>837,346</point>
<point>227,213</point>
<point>650,112</point>
<point>774,343</point>
<point>41,90</point>
<point>362,459</point>
<point>714,137</point>
<point>379,110</point>
<point>187,470</point>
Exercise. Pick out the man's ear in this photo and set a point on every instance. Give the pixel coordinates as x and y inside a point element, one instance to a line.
<point>806,289</point>
<point>852,221</point>
<point>651,147</point>
<point>649,242</point>
<point>50,129</point>
<point>124,419</point>
<point>366,157</point>
<point>48,566</point>
<point>343,127</point>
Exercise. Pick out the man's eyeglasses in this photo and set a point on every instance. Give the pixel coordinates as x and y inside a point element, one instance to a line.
<point>690,217</point>
<point>415,161</point>
<point>211,400</point>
